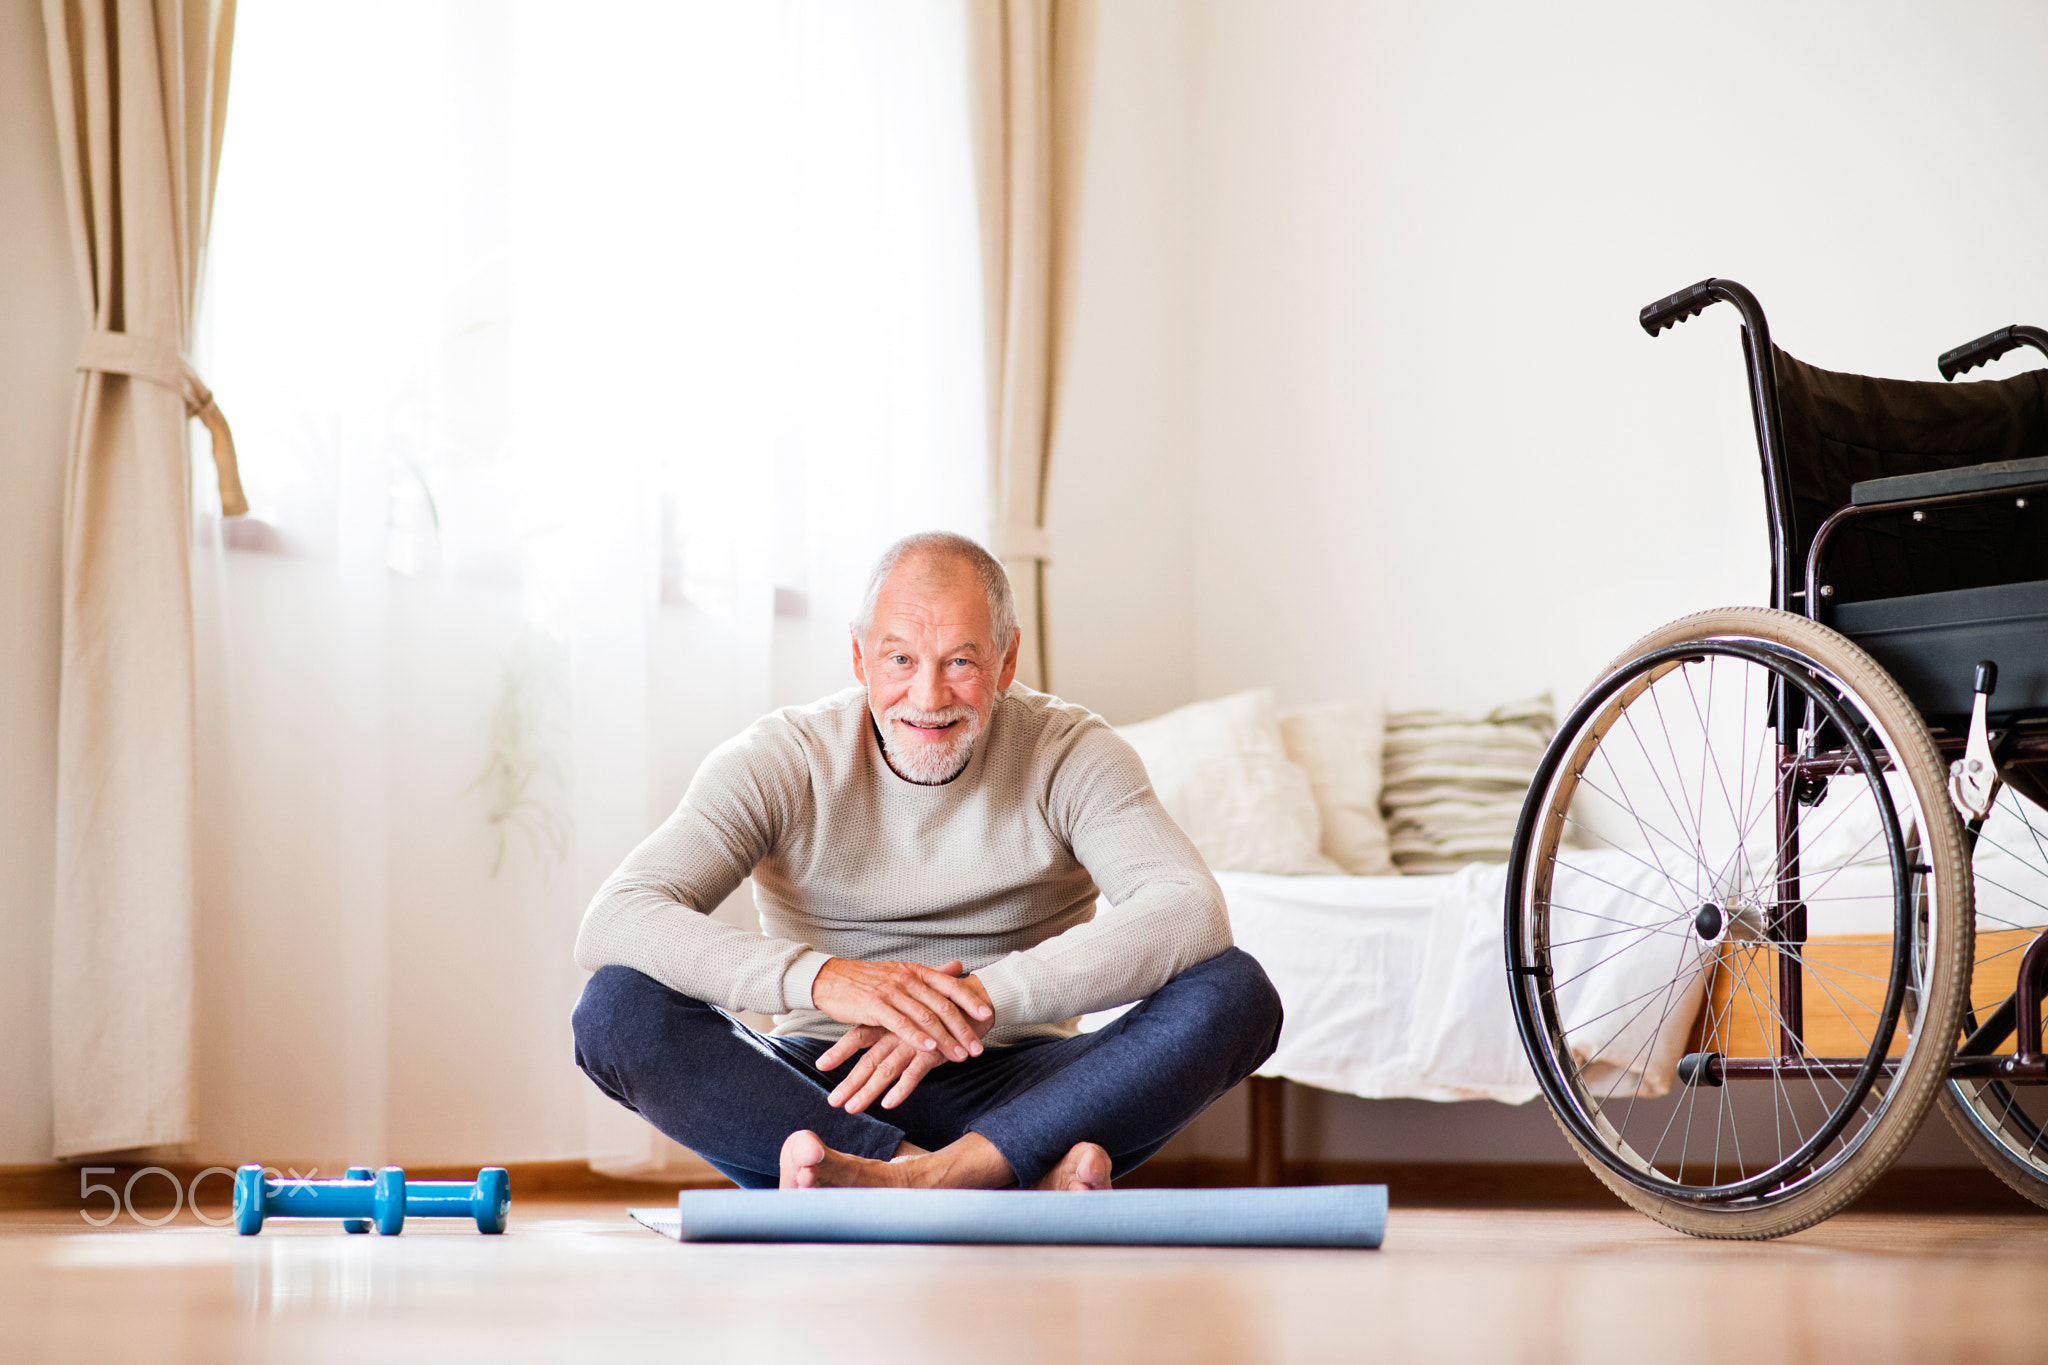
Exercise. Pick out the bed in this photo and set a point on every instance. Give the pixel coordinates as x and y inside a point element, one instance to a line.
<point>1394,986</point>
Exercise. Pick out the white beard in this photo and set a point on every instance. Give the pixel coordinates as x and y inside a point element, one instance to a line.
<point>919,761</point>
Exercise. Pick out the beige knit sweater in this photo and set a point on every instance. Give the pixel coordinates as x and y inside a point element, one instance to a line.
<point>999,867</point>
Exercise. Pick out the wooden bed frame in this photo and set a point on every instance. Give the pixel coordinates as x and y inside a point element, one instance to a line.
<point>1268,1129</point>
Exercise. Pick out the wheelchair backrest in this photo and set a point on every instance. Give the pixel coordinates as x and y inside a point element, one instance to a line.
<point>1841,429</point>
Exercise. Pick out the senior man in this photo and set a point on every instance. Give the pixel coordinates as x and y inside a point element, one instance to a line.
<point>927,851</point>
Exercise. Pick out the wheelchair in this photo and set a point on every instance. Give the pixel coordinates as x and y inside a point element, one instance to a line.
<point>1836,805</point>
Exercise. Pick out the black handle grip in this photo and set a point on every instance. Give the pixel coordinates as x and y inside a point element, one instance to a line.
<point>1980,352</point>
<point>1987,677</point>
<point>1686,303</point>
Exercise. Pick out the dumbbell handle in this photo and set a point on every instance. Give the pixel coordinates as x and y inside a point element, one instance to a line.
<point>438,1198</point>
<point>321,1199</point>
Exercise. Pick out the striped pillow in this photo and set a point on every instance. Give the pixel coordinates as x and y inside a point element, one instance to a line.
<point>1453,784</point>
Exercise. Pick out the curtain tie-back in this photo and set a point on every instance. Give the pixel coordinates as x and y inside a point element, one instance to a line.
<point>1020,542</point>
<point>161,363</point>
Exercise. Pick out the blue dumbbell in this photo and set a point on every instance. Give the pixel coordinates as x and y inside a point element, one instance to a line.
<point>384,1200</point>
<point>488,1199</point>
<point>380,1199</point>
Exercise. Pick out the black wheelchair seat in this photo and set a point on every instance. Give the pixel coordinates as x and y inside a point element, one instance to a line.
<point>1919,638</point>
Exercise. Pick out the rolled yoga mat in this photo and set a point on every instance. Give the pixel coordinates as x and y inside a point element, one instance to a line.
<point>1294,1216</point>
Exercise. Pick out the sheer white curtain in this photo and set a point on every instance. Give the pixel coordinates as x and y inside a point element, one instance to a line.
<point>584,356</point>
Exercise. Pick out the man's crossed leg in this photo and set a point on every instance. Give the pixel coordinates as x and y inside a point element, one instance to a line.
<point>1063,1113</point>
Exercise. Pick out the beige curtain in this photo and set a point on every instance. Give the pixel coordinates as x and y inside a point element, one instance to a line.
<point>1032,69</point>
<point>141,94</point>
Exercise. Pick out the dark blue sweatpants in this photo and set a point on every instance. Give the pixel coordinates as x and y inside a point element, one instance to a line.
<point>732,1095</point>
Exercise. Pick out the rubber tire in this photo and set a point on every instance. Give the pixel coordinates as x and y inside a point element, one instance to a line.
<point>1948,979</point>
<point>2026,1181</point>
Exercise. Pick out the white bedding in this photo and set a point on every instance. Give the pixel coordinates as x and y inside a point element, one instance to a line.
<point>1397,987</point>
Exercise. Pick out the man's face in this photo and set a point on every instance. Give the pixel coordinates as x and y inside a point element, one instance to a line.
<point>932,667</point>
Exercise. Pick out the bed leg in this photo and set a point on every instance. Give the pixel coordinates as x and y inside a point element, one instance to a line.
<point>1269,1129</point>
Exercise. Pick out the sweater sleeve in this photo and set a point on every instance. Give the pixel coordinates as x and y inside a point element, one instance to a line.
<point>654,913</point>
<point>1166,912</point>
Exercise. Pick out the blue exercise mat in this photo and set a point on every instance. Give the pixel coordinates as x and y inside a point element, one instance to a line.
<point>1295,1216</point>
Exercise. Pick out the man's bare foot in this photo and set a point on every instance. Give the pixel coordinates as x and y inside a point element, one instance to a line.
<point>808,1164</point>
<point>1086,1167</point>
<point>972,1163</point>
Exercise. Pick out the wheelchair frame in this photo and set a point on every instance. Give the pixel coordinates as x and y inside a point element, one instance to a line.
<point>2021,1012</point>
<point>1803,765</point>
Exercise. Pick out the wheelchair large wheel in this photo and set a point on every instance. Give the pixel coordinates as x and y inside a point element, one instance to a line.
<point>2005,1124</point>
<point>1738,967</point>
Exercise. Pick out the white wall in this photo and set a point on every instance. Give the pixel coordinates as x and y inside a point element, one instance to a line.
<point>1435,455</point>
<point>39,329</point>
<point>1358,300</point>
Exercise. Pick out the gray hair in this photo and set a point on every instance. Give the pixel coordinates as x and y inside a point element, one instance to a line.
<point>945,545</point>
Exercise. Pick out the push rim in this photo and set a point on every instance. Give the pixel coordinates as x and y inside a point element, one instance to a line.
<point>1535,991</point>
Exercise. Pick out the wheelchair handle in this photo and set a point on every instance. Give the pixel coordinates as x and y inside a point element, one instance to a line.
<point>1990,347</point>
<point>1686,303</point>
<point>1759,356</point>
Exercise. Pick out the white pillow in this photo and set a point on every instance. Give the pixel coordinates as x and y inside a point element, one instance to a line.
<point>1220,768</point>
<point>1338,746</point>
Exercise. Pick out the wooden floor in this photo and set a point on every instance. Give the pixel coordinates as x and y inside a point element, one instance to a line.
<point>575,1281</point>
